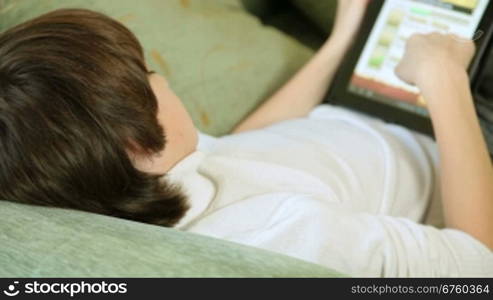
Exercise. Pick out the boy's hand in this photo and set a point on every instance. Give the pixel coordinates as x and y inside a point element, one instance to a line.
<point>437,64</point>
<point>429,55</point>
<point>348,18</point>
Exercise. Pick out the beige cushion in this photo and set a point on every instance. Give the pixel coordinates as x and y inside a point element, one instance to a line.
<point>321,12</point>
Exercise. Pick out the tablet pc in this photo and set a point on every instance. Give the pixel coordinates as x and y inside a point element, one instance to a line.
<point>366,79</point>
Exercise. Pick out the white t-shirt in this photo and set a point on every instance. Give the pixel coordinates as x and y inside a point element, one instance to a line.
<point>336,188</point>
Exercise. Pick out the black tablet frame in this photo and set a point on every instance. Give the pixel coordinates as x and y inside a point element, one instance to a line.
<point>339,93</point>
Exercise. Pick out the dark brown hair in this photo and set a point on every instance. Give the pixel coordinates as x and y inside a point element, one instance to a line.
<point>74,98</point>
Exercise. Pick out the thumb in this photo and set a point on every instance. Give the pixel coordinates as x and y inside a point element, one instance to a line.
<point>405,72</point>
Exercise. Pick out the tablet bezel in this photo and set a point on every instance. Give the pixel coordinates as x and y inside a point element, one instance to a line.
<point>339,93</point>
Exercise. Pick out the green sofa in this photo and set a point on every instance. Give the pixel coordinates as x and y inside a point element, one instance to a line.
<point>222,61</point>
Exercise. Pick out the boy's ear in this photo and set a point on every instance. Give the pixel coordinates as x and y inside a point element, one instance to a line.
<point>135,151</point>
<point>139,159</point>
<point>142,159</point>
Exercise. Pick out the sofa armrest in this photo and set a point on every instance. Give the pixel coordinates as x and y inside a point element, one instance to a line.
<point>49,242</point>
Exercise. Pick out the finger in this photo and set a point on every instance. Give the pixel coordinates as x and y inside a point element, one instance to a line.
<point>458,38</point>
<point>401,71</point>
<point>414,39</point>
<point>406,68</point>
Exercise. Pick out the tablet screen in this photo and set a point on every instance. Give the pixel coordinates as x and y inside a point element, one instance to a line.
<point>374,76</point>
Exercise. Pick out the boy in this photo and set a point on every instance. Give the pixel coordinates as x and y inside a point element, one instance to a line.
<point>85,125</point>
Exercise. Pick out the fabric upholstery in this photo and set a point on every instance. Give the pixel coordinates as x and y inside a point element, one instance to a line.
<point>261,8</point>
<point>47,242</point>
<point>321,12</point>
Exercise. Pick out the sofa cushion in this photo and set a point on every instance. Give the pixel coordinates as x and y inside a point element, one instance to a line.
<point>260,8</point>
<point>321,12</point>
<point>48,242</point>
<point>218,58</point>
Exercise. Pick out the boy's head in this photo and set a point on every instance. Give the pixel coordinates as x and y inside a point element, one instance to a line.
<point>83,123</point>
